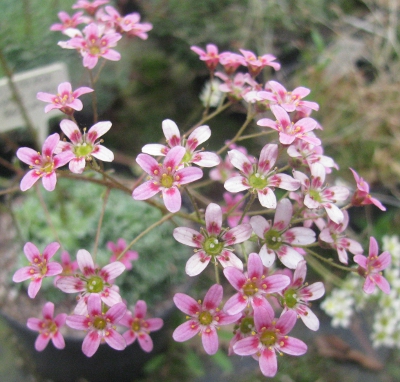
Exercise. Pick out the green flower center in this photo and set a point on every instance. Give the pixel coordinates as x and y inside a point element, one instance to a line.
<point>83,150</point>
<point>290,298</point>
<point>48,167</point>
<point>250,288</point>
<point>273,239</point>
<point>314,194</point>
<point>258,181</point>
<point>247,325</point>
<point>99,323</point>
<point>167,180</point>
<point>136,325</point>
<point>95,284</point>
<point>95,50</point>
<point>49,326</point>
<point>187,157</point>
<point>212,246</point>
<point>205,318</point>
<point>268,338</point>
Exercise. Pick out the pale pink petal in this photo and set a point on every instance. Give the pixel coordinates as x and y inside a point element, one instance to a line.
<point>236,184</point>
<point>154,324</point>
<point>260,225</point>
<point>240,161</point>
<point>299,236</point>
<point>41,341</point>
<point>289,256</point>
<point>246,346</point>
<point>268,363</point>
<point>103,153</point>
<point>172,199</point>
<point>186,304</point>
<point>98,130</point>
<point>112,270</point>
<point>186,331</point>
<point>197,263</point>
<point>267,256</point>
<point>238,234</point>
<point>286,321</point>
<point>334,212</point>
<point>206,159</point>
<point>49,181</point>
<point>85,261</point>
<point>45,97</point>
<point>310,319</point>
<point>266,197</point>
<point>28,156</point>
<point>313,291</point>
<point>268,157</point>
<point>91,343</point>
<point>129,336</point>
<point>70,284</point>
<point>77,165</point>
<point>154,149</point>
<point>145,341</point>
<point>112,55</point>
<point>22,274</point>
<point>145,190</point>
<point>50,144</point>
<point>198,136</point>
<point>236,303</point>
<point>82,90</point>
<point>54,269</point>
<point>115,340</point>
<point>188,174</point>
<point>209,339</point>
<point>381,282</point>
<point>110,297</point>
<point>58,340</point>
<point>213,217</point>
<point>213,297</point>
<point>171,132</point>
<point>229,259</point>
<point>34,287</point>
<point>71,130</point>
<point>293,346</point>
<point>34,323</point>
<point>188,236</point>
<point>174,157</point>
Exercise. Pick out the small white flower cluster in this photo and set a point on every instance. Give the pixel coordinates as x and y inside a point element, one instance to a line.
<point>211,93</point>
<point>343,302</point>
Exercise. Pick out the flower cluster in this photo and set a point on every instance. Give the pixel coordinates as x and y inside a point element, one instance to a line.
<point>277,203</point>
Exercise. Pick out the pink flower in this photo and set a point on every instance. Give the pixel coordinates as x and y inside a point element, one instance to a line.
<point>332,234</point>
<point>48,328</point>
<point>235,88</point>
<point>317,195</point>
<point>259,177</point>
<point>65,100</point>
<point>196,138</point>
<point>92,280</point>
<point>43,165</point>
<point>139,327</point>
<point>89,6</point>
<point>256,64</point>
<point>244,327</point>
<point>252,286</point>
<point>279,239</point>
<point>289,131</point>
<point>68,266</point>
<point>290,101</point>
<point>271,338</point>
<point>39,267</point>
<point>231,61</point>
<point>117,249</point>
<point>213,242</point>
<point>371,268</point>
<point>95,44</point>
<point>83,147</point>
<point>68,21</point>
<point>166,177</point>
<point>362,196</point>
<point>210,56</point>
<point>298,293</point>
<point>100,325</point>
<point>203,318</point>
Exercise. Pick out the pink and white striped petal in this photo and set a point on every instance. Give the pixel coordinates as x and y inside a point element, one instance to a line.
<point>197,263</point>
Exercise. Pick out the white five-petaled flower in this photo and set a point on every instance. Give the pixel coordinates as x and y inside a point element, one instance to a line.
<point>260,177</point>
<point>213,242</point>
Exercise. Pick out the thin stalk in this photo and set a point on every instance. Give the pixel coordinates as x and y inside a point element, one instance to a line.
<point>325,273</point>
<point>217,280</point>
<point>330,261</point>
<point>100,223</point>
<point>193,201</point>
<point>246,209</point>
<point>94,98</point>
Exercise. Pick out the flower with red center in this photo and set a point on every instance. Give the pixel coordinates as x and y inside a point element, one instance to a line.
<point>210,56</point>
<point>196,138</point>
<point>94,44</point>
<point>166,177</point>
<point>252,286</point>
<point>84,146</point>
<point>261,177</point>
<point>212,242</point>
<point>361,196</point>
<point>203,318</point>
<point>278,239</point>
<point>371,268</point>
<point>298,293</point>
<point>68,21</point>
<point>290,101</point>
<point>332,234</point>
<point>270,338</point>
<point>256,64</point>
<point>117,249</point>
<point>289,131</point>
<point>48,328</point>
<point>140,327</point>
<point>66,100</point>
<point>39,266</point>
<point>43,165</point>
<point>100,325</point>
<point>92,280</point>
<point>89,6</point>
<point>317,195</point>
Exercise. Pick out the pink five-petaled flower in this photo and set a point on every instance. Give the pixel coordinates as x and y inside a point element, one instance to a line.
<point>94,44</point>
<point>212,242</point>
<point>252,286</point>
<point>100,325</point>
<point>210,56</point>
<point>317,195</point>
<point>271,337</point>
<point>290,101</point>
<point>39,266</point>
<point>68,21</point>
<point>48,328</point>
<point>68,266</point>
<point>289,131</point>
<point>83,147</point>
<point>197,137</point>
<point>140,327</point>
<point>203,318</point>
<point>43,165</point>
<point>297,294</point>
<point>362,196</point>
<point>117,249</point>
<point>332,234</point>
<point>279,239</point>
<point>371,268</point>
<point>93,280</point>
<point>261,177</point>
<point>89,6</point>
<point>256,64</point>
<point>66,100</point>
<point>166,177</point>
